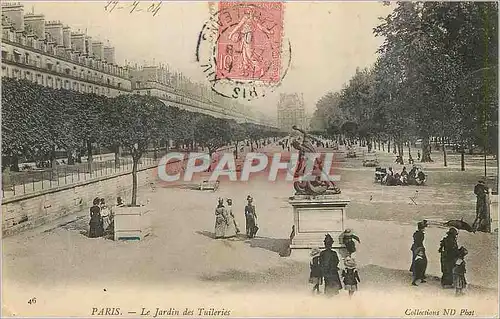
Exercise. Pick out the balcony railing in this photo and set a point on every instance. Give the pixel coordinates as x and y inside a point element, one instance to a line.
<point>58,71</point>
<point>50,50</point>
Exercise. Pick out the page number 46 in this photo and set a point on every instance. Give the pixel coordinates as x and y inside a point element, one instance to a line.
<point>32,301</point>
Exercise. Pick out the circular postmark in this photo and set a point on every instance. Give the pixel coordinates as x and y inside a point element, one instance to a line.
<point>241,49</point>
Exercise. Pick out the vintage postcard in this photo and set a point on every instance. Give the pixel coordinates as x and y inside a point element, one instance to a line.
<point>194,159</point>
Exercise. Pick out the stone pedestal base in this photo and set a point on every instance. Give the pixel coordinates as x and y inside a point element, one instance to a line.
<point>131,223</point>
<point>316,216</point>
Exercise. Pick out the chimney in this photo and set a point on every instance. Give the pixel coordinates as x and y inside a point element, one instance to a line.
<point>15,13</point>
<point>109,55</point>
<point>67,37</point>
<point>78,42</point>
<point>98,49</point>
<point>55,29</point>
<point>37,24</point>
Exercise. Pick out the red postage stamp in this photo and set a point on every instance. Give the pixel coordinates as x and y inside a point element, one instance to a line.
<point>249,41</point>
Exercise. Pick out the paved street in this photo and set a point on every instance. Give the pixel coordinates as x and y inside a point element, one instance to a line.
<point>182,261</point>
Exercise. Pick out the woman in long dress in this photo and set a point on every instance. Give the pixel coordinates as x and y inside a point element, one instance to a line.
<point>95,224</point>
<point>220,220</point>
<point>449,255</point>
<point>105,215</point>
<point>251,218</point>
<point>232,227</point>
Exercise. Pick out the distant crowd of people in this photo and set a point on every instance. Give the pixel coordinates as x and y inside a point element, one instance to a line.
<point>414,177</point>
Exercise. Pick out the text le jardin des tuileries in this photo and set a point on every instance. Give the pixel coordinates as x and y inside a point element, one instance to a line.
<point>163,312</point>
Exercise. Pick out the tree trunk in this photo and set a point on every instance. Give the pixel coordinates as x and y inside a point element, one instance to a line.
<point>471,149</point>
<point>394,151</point>
<point>71,159</point>
<point>53,158</point>
<point>89,152</point>
<point>444,152</point>
<point>378,145</point>
<point>389,145</point>
<point>251,146</point>
<point>14,163</point>
<point>79,156</point>
<point>135,160</point>
<point>236,147</point>
<point>117,155</point>
<point>462,157</point>
<point>426,150</point>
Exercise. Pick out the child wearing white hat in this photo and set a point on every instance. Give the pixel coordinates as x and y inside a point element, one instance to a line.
<point>350,275</point>
<point>315,277</point>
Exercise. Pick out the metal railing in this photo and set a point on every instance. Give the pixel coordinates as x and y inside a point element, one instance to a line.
<point>34,180</point>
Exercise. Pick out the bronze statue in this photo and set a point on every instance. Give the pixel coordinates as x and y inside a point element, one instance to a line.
<point>317,186</point>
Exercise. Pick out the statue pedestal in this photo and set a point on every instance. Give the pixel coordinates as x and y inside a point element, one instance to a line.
<point>316,216</point>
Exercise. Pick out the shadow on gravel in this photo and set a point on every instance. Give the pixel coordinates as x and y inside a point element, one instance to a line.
<point>206,234</point>
<point>280,246</point>
<point>373,276</point>
<point>289,274</point>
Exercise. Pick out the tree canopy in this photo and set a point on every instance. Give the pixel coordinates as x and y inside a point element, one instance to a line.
<point>435,76</point>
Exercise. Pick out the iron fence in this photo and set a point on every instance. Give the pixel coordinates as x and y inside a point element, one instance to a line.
<point>28,181</point>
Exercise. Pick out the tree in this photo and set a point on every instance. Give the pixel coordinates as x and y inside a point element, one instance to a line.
<point>213,133</point>
<point>24,122</point>
<point>137,127</point>
<point>237,133</point>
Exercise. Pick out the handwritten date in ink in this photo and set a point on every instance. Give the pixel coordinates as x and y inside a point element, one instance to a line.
<point>32,301</point>
<point>135,6</point>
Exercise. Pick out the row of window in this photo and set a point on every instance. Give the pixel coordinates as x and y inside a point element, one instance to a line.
<point>55,82</point>
<point>51,49</point>
<point>66,69</point>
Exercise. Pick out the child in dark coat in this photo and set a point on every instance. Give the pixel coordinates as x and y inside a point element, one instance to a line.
<point>348,238</point>
<point>419,266</point>
<point>350,275</point>
<point>459,272</point>
<point>315,277</point>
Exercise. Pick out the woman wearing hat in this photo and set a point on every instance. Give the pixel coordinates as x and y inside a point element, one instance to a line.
<point>95,224</point>
<point>231,226</point>
<point>251,218</point>
<point>482,222</point>
<point>315,276</point>
<point>329,261</point>
<point>449,254</point>
<point>220,219</point>
<point>418,241</point>
<point>350,275</point>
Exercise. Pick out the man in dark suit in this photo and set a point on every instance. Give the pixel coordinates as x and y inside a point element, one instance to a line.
<point>329,262</point>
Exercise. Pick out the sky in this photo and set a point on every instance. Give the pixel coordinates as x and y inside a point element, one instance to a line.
<point>329,39</point>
